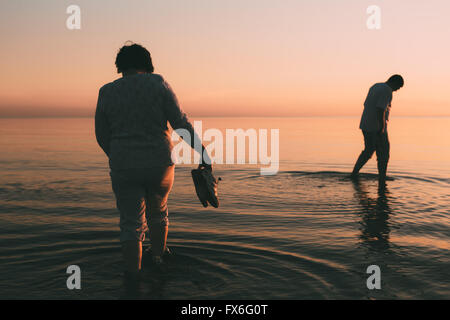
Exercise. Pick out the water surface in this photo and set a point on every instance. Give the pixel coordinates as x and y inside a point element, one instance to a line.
<point>307,232</point>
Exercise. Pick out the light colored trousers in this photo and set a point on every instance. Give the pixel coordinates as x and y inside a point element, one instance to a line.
<point>141,197</point>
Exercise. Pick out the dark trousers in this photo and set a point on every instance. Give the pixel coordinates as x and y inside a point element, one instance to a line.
<point>374,142</point>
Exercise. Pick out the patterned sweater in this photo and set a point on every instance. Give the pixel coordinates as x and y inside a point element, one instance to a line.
<point>131,121</point>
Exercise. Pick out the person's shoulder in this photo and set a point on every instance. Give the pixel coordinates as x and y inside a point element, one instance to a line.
<point>379,85</point>
<point>156,77</point>
<point>159,80</point>
<point>106,87</point>
<point>103,89</point>
<point>374,87</point>
<point>385,88</point>
<point>152,79</point>
<point>382,86</point>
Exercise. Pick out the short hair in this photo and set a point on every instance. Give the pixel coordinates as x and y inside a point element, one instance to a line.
<point>396,80</point>
<point>134,56</point>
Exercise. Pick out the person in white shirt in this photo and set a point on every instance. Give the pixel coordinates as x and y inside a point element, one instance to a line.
<point>131,126</point>
<point>374,125</point>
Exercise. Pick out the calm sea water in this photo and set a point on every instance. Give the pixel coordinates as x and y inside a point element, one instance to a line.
<point>307,232</point>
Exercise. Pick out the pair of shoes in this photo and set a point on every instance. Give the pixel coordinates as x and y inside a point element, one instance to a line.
<point>206,186</point>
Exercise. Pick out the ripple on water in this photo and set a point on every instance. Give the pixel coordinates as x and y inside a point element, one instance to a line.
<point>297,235</point>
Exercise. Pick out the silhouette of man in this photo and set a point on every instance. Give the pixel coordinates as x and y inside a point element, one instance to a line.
<point>374,126</point>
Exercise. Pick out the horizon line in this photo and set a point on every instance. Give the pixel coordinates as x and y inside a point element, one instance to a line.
<point>222,116</point>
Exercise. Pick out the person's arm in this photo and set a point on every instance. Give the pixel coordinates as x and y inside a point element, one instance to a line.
<point>102,131</point>
<point>382,118</point>
<point>388,112</point>
<point>179,120</point>
<point>382,105</point>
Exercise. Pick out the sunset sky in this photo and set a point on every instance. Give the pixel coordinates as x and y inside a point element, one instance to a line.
<point>229,58</point>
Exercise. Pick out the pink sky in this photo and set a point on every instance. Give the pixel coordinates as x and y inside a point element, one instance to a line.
<point>233,58</point>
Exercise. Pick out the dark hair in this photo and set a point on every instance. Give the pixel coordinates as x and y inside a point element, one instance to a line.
<point>134,56</point>
<point>396,80</point>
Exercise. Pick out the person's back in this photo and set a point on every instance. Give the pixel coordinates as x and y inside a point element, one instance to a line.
<point>137,108</point>
<point>378,97</point>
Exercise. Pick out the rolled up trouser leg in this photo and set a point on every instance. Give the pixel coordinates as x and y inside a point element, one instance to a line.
<point>157,213</point>
<point>130,200</point>
<point>159,226</point>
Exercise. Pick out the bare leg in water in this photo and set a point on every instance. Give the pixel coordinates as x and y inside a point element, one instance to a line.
<point>366,154</point>
<point>378,142</point>
<point>132,256</point>
<point>158,240</point>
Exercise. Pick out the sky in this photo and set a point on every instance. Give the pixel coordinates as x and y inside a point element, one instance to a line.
<point>228,58</point>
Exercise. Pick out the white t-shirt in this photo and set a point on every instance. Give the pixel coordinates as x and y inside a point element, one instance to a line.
<point>379,97</point>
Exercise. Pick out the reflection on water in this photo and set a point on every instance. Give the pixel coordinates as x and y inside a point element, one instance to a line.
<point>375,213</point>
<point>307,232</point>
